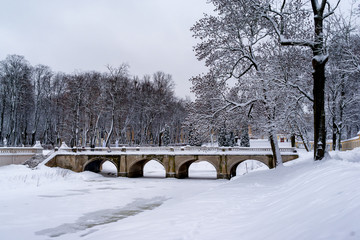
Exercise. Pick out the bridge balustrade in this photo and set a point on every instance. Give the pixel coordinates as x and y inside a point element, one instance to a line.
<point>19,150</point>
<point>178,149</point>
<point>17,155</point>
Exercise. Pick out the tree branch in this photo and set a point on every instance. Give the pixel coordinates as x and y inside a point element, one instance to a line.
<point>301,91</point>
<point>288,42</point>
<point>331,11</point>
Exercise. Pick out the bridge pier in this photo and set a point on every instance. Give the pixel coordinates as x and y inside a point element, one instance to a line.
<point>122,174</point>
<point>170,172</point>
<point>223,176</point>
<point>171,175</point>
<point>135,174</point>
<point>122,166</point>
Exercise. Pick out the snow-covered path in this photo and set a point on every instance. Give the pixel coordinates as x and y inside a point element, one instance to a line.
<point>303,200</point>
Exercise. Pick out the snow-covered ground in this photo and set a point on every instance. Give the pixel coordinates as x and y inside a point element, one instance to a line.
<point>302,200</point>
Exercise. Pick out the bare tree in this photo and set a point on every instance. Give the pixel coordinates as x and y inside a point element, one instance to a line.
<point>15,75</point>
<point>41,80</point>
<point>84,108</point>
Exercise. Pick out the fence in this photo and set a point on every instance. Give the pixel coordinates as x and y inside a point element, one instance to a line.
<point>350,144</point>
<point>347,144</point>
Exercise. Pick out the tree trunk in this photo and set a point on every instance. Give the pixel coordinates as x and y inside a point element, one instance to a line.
<point>275,149</point>
<point>33,138</point>
<point>76,120</point>
<point>341,113</point>
<point>160,137</point>
<point>334,134</point>
<point>305,143</point>
<point>319,60</point>
<point>107,143</point>
<point>319,111</point>
<point>2,118</point>
<point>95,131</point>
<point>292,140</point>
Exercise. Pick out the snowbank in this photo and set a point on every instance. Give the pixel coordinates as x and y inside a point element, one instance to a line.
<point>302,200</point>
<point>308,200</point>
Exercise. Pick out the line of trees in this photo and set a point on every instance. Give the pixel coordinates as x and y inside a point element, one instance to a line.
<point>86,108</point>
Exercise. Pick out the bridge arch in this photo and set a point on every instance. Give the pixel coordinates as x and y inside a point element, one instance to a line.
<point>233,166</point>
<point>182,170</point>
<point>136,168</point>
<point>95,164</point>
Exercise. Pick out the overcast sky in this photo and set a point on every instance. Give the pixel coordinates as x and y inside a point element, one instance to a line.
<point>71,35</point>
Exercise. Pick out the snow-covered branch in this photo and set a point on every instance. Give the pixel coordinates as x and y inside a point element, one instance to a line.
<point>236,105</point>
<point>285,41</point>
<point>331,10</point>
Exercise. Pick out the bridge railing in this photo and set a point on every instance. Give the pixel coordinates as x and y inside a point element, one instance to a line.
<point>17,155</point>
<point>177,149</point>
<point>20,150</point>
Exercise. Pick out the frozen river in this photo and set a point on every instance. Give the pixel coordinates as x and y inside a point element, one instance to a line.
<point>56,203</point>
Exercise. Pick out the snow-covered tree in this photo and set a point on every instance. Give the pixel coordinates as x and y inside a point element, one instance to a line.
<point>194,138</point>
<point>231,41</point>
<point>244,136</point>
<point>343,74</point>
<point>17,93</point>
<point>166,136</point>
<point>41,80</point>
<point>84,107</point>
<point>223,139</point>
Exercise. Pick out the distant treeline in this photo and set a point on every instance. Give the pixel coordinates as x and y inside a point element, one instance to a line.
<point>86,108</point>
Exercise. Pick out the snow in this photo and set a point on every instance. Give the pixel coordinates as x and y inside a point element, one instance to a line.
<point>154,169</point>
<point>37,145</point>
<point>250,166</point>
<point>302,200</point>
<point>354,138</point>
<point>321,58</point>
<point>202,170</point>
<point>261,143</point>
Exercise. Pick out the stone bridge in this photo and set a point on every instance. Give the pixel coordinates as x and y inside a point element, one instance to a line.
<point>130,162</point>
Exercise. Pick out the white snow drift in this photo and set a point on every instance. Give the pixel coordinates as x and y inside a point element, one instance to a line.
<point>302,200</point>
